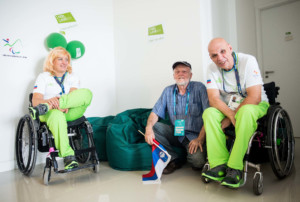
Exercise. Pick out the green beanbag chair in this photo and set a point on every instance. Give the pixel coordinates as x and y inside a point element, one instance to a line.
<point>99,125</point>
<point>126,147</point>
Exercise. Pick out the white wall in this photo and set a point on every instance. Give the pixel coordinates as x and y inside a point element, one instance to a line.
<point>246,26</point>
<point>32,21</point>
<point>144,68</point>
<point>224,21</point>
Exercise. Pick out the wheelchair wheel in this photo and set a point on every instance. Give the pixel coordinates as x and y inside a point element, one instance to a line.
<point>46,176</point>
<point>204,169</point>
<point>82,140</point>
<point>281,140</point>
<point>258,183</point>
<point>96,168</point>
<point>47,172</point>
<point>26,145</point>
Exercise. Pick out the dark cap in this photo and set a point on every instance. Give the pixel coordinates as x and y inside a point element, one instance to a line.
<point>181,63</point>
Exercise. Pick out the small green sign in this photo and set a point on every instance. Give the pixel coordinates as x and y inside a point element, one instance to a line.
<point>155,30</point>
<point>65,18</point>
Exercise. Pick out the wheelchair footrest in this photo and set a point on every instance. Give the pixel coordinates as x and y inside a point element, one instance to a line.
<point>78,168</point>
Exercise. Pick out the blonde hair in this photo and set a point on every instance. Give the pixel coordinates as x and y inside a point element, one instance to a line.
<point>55,53</point>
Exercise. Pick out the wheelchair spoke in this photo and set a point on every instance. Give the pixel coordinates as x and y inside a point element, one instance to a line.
<point>82,140</point>
<point>282,143</point>
<point>275,143</point>
<point>26,143</point>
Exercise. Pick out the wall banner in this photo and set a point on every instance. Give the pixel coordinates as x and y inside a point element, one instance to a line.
<point>155,33</point>
<point>65,20</point>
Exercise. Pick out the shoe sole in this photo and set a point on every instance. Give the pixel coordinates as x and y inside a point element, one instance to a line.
<point>235,186</point>
<point>219,179</point>
<point>71,166</point>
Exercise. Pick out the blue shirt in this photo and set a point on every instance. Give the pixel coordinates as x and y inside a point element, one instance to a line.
<point>198,102</point>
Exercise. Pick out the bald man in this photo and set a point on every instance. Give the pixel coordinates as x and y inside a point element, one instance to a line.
<point>236,96</point>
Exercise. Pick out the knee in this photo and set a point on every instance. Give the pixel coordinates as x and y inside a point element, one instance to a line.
<point>160,129</point>
<point>197,159</point>
<point>87,93</point>
<point>245,111</point>
<point>209,113</point>
<point>157,126</point>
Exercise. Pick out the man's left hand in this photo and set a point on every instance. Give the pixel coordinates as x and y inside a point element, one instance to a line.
<point>194,144</point>
<point>225,123</point>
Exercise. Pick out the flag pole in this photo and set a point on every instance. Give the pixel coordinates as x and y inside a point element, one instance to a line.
<point>155,143</point>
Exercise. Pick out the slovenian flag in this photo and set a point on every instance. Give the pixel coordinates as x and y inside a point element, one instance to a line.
<point>208,81</point>
<point>160,159</point>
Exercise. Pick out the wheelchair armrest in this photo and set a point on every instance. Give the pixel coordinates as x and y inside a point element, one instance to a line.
<point>272,91</point>
<point>76,122</point>
<point>30,99</point>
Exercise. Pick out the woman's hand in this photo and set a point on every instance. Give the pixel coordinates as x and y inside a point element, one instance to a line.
<point>53,102</point>
<point>64,110</point>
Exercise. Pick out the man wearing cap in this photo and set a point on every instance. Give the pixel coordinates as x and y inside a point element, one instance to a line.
<point>184,103</point>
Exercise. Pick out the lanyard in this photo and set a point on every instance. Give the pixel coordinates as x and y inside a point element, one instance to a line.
<point>236,76</point>
<point>186,105</point>
<point>60,83</point>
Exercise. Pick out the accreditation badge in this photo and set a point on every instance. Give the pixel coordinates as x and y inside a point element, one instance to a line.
<point>179,127</point>
<point>235,101</point>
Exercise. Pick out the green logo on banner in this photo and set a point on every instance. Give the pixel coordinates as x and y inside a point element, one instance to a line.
<point>65,18</point>
<point>155,30</point>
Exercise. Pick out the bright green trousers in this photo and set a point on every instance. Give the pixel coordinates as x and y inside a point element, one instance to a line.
<point>77,102</point>
<point>246,125</point>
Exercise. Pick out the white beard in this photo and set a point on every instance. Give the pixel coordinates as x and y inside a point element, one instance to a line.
<point>182,83</point>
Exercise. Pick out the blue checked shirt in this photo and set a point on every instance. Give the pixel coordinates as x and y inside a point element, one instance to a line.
<point>198,102</point>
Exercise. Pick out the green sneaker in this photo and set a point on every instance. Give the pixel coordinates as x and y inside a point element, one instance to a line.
<point>233,178</point>
<point>70,162</point>
<point>217,173</point>
<point>39,110</point>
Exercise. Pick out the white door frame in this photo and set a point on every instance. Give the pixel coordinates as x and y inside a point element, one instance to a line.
<point>258,9</point>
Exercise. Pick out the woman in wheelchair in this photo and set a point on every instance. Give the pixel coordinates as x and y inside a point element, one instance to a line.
<point>57,99</point>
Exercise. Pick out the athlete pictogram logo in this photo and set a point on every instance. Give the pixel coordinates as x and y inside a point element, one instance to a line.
<point>14,47</point>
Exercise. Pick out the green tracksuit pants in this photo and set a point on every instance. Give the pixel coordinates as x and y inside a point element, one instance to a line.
<point>246,125</point>
<point>77,102</point>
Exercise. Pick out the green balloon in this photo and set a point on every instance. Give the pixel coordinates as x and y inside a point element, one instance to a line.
<point>76,49</point>
<point>56,40</point>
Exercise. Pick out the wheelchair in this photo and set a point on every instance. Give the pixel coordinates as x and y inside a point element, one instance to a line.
<point>274,135</point>
<point>33,135</point>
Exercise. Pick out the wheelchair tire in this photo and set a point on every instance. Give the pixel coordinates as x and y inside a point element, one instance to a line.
<point>47,170</point>
<point>258,183</point>
<point>96,168</point>
<point>281,141</point>
<point>204,169</point>
<point>47,175</point>
<point>26,145</point>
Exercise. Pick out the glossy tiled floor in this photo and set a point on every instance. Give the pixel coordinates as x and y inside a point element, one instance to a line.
<point>111,185</point>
